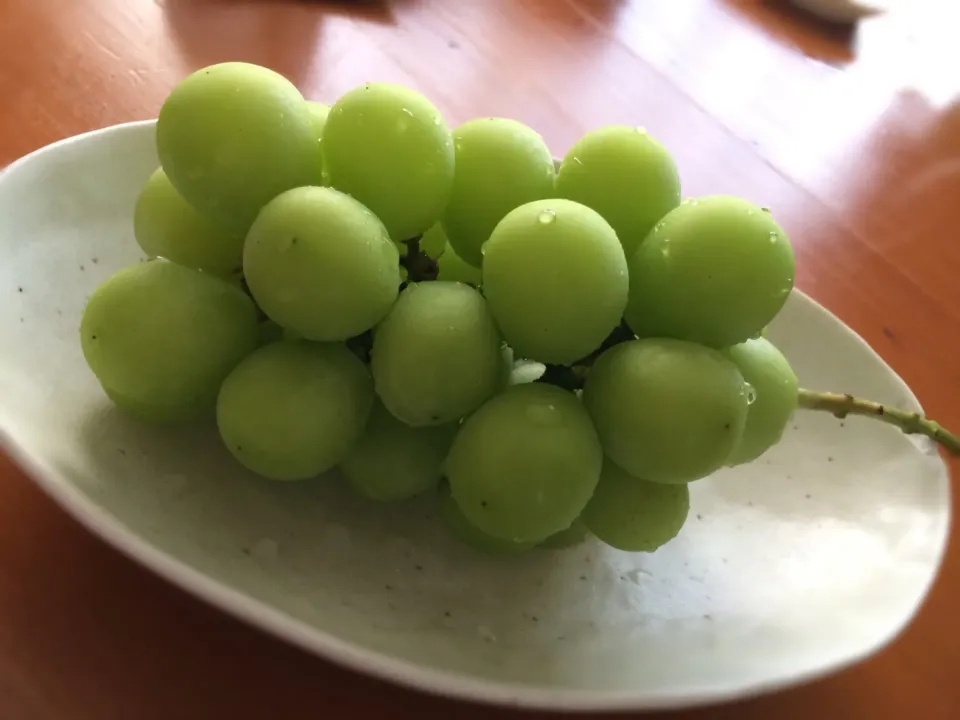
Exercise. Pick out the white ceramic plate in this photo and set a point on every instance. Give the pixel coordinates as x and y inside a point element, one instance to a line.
<point>806,561</point>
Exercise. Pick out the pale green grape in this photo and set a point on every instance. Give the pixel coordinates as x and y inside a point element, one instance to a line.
<point>394,461</point>
<point>635,515</point>
<point>233,136</point>
<point>666,410</point>
<point>162,337</point>
<point>165,225</point>
<point>318,119</point>
<point>555,276</point>
<point>454,519</point>
<point>524,465</point>
<point>436,357</point>
<point>158,413</point>
<point>452,267</point>
<point>774,393</point>
<point>320,263</point>
<point>434,241</point>
<point>715,271</point>
<point>574,535</point>
<point>500,165</point>
<point>294,409</point>
<point>390,148</point>
<point>626,176</point>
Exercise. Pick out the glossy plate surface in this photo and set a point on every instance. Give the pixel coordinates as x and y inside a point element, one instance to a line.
<point>808,560</point>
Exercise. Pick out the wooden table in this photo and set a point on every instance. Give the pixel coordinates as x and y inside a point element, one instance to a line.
<point>852,139</point>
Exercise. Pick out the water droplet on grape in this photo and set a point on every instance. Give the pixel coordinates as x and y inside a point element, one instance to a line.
<point>544,415</point>
<point>750,392</point>
<point>578,161</point>
<point>546,217</point>
<point>774,236</point>
<point>408,111</point>
<point>641,130</point>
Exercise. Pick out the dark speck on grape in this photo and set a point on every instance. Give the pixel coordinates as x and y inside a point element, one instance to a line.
<point>93,337</point>
<point>829,459</point>
<point>483,503</point>
<point>19,289</point>
<point>446,613</point>
<point>699,517</point>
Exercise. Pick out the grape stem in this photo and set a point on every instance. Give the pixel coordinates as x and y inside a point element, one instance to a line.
<point>911,423</point>
<point>420,267</point>
<point>840,405</point>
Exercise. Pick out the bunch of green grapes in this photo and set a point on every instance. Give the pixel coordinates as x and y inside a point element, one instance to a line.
<point>557,355</point>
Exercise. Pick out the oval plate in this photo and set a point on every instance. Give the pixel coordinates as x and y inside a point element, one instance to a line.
<point>808,560</point>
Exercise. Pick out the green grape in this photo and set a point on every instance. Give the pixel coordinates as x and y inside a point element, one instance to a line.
<point>666,410</point>
<point>231,137</point>
<point>318,120</point>
<point>394,461</point>
<point>715,271</point>
<point>388,147</point>
<point>451,267</point>
<point>294,409</point>
<point>454,519</point>
<point>555,276</point>
<point>635,515</point>
<point>162,337</point>
<point>320,263</point>
<point>500,165</point>
<point>434,241</point>
<point>774,394</point>
<point>165,225</point>
<point>157,413</point>
<point>574,535</point>
<point>626,176</point>
<point>436,357</point>
<point>524,465</point>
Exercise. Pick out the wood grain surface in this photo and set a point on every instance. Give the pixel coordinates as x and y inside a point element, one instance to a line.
<point>853,139</point>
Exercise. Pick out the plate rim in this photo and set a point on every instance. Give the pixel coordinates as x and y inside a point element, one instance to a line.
<point>408,674</point>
